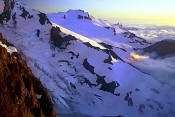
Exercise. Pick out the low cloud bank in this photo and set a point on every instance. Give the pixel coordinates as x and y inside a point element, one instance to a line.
<point>155,33</point>
<point>161,69</point>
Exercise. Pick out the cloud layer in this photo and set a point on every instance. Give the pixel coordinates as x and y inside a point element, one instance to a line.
<point>155,33</point>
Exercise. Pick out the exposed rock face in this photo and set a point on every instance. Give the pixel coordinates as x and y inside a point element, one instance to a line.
<point>8,5</point>
<point>43,19</point>
<point>84,17</point>
<point>132,36</point>
<point>21,94</point>
<point>25,14</point>
<point>162,48</point>
<point>57,40</point>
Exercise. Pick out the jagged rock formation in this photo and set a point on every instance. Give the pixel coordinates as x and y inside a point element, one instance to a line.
<point>21,93</point>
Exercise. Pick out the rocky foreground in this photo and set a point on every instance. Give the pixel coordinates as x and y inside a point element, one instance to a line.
<point>21,93</point>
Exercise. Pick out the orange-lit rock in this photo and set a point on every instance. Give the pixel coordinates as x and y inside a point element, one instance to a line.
<point>21,94</point>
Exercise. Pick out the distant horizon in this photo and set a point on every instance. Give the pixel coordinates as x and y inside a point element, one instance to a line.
<point>153,12</point>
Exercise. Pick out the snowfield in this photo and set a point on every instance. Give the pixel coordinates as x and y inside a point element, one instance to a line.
<point>85,64</point>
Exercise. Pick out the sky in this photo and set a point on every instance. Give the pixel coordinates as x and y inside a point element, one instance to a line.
<point>159,12</point>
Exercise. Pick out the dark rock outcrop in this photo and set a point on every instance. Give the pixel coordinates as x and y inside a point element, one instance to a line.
<point>84,17</point>
<point>162,48</point>
<point>108,87</point>
<point>21,94</point>
<point>106,45</point>
<point>129,35</point>
<point>25,14</point>
<point>89,67</point>
<point>43,19</point>
<point>135,38</point>
<point>6,14</point>
<point>108,60</point>
<point>57,40</point>
<point>129,99</point>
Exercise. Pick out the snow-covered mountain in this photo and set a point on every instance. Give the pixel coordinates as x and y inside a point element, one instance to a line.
<point>84,64</point>
<point>96,29</point>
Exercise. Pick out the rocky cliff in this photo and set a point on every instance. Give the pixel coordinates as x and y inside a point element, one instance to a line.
<point>21,94</point>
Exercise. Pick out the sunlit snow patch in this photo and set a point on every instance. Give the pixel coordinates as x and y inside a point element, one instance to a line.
<point>10,49</point>
<point>135,56</point>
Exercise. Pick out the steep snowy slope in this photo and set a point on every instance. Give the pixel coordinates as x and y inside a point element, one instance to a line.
<point>85,77</point>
